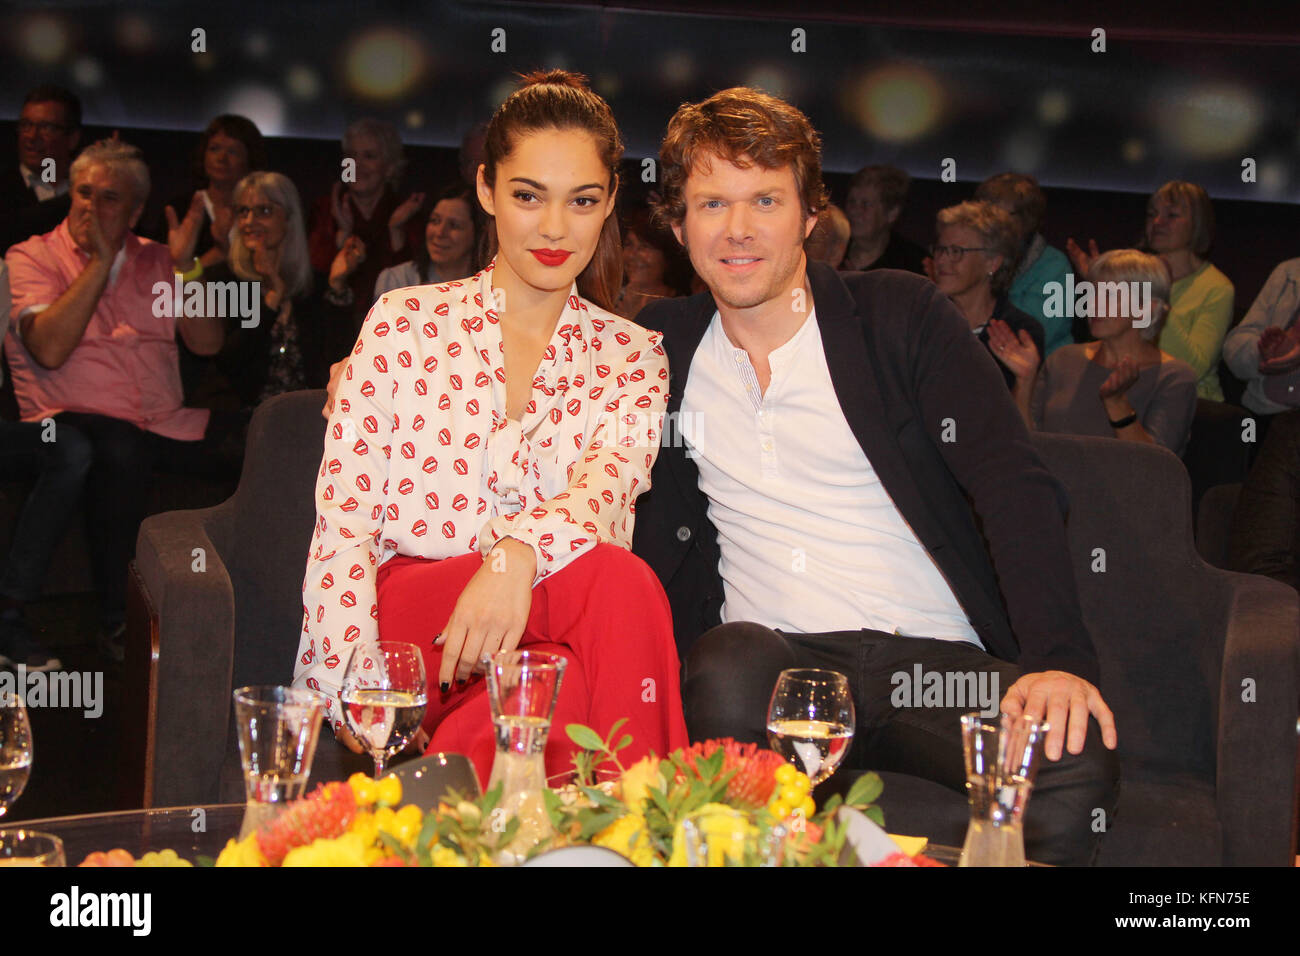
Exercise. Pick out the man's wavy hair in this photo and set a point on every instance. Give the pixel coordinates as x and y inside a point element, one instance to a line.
<point>742,126</point>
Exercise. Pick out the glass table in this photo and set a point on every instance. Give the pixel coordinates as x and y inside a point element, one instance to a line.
<point>190,831</point>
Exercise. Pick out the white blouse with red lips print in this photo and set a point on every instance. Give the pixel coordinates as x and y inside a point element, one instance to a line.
<point>420,458</point>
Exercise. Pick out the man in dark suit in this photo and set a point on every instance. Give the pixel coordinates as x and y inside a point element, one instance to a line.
<point>34,196</point>
<point>824,433</point>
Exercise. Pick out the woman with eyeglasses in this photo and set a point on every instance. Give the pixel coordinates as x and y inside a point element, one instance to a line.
<point>297,331</point>
<point>972,262</point>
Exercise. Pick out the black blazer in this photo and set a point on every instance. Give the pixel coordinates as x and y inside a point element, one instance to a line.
<point>22,215</point>
<point>931,412</point>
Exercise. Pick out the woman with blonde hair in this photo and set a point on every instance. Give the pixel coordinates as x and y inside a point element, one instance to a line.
<point>1121,385</point>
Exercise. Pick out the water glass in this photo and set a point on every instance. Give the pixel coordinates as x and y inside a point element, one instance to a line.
<point>1001,762</point>
<point>15,749</point>
<point>278,728</point>
<point>30,848</point>
<point>384,697</point>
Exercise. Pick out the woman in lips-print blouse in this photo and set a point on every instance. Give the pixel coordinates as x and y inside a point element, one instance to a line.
<point>486,445</point>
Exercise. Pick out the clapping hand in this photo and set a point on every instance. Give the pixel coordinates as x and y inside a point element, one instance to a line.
<point>1017,352</point>
<point>1082,260</point>
<point>221,225</point>
<point>183,234</point>
<point>1120,380</point>
<point>403,213</point>
<point>341,209</point>
<point>351,255</point>
<point>1279,351</point>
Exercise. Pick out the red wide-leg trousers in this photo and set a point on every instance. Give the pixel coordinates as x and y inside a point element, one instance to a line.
<point>605,612</point>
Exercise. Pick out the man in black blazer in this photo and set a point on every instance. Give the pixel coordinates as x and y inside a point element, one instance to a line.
<point>825,432</point>
<point>34,195</point>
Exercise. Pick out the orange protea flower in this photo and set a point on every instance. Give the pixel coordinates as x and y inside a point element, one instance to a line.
<point>755,768</point>
<point>325,812</point>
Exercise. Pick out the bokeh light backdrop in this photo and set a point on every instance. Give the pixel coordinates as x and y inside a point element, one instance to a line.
<point>1127,119</point>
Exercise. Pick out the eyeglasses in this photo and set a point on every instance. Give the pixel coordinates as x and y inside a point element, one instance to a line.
<point>45,129</point>
<point>264,211</point>
<point>956,252</point>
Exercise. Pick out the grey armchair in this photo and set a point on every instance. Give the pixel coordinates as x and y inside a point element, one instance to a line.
<point>223,588</point>
<point>1198,664</point>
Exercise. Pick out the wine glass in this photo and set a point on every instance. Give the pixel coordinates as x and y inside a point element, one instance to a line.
<point>15,749</point>
<point>384,695</point>
<point>31,848</point>
<point>810,720</point>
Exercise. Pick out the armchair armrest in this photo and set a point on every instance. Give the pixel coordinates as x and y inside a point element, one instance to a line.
<point>1256,746</point>
<point>188,585</point>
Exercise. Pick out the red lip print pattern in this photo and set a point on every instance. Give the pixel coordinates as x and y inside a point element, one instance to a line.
<point>514,477</point>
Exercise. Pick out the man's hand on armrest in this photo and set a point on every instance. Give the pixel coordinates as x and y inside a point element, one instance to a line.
<point>1066,701</point>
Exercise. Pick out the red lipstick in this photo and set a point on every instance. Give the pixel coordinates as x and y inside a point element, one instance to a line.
<point>550,257</point>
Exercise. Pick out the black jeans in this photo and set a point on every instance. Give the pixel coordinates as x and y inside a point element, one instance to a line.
<point>730,672</point>
<point>57,458</point>
<point>118,491</point>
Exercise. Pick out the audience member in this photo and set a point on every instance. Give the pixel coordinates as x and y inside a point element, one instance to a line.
<point>90,348</point>
<point>34,197</point>
<point>1180,230</point>
<point>973,261</point>
<point>453,244</point>
<point>1264,349</point>
<point>57,460</point>
<point>230,148</point>
<point>369,210</point>
<point>1039,264</point>
<point>875,200</point>
<point>1265,537</point>
<point>1122,384</point>
<point>829,241</point>
<point>298,331</point>
<point>653,266</point>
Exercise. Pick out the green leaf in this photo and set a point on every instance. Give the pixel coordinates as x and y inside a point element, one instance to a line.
<point>713,764</point>
<point>597,822</point>
<point>613,730</point>
<point>864,790</point>
<point>659,799</point>
<point>491,799</point>
<point>625,742</point>
<point>876,815</point>
<point>202,860</point>
<point>601,799</point>
<point>393,845</point>
<point>554,807</point>
<point>585,737</point>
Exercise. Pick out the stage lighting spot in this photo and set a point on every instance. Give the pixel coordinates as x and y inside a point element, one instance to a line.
<point>1272,176</point>
<point>263,106</point>
<point>1054,107</point>
<point>87,72</point>
<point>896,103</point>
<point>302,82</point>
<point>1211,121</point>
<point>501,90</point>
<point>43,38</point>
<point>383,64</point>
<point>1133,151</point>
<point>134,33</point>
<point>257,45</point>
<point>770,80</point>
<point>415,119</point>
<point>677,68</point>
<point>608,85</point>
<point>1024,150</point>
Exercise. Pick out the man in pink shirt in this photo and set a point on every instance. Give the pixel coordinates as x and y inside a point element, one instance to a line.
<point>88,349</point>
